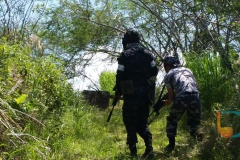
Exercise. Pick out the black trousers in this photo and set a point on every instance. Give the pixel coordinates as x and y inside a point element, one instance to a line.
<point>135,116</point>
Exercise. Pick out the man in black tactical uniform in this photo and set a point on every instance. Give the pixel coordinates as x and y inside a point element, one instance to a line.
<point>136,69</point>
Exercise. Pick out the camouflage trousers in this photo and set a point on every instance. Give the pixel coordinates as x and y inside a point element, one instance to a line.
<point>135,113</point>
<point>189,103</point>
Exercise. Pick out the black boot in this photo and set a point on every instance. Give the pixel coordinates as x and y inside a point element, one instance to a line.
<point>149,149</point>
<point>133,150</point>
<point>170,147</point>
<point>148,153</point>
<point>198,137</point>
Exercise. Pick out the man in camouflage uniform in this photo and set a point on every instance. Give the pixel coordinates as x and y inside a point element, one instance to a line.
<point>183,94</point>
<point>136,66</point>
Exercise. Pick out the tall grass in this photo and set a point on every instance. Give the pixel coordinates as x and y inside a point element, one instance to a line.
<point>215,82</point>
<point>86,135</point>
<point>82,133</point>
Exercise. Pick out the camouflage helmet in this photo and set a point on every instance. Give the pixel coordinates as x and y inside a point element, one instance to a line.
<point>131,36</point>
<point>171,60</point>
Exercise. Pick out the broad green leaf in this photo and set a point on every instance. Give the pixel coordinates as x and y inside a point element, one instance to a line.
<point>21,99</point>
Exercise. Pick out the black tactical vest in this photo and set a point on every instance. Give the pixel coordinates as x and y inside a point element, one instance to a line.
<point>137,66</point>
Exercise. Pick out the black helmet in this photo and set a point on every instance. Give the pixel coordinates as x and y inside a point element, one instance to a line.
<point>171,60</point>
<point>131,36</point>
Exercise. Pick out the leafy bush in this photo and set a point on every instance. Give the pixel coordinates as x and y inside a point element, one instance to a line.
<point>107,81</point>
<point>31,90</point>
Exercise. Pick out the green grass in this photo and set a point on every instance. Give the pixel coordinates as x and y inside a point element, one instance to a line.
<point>91,137</point>
<point>83,134</point>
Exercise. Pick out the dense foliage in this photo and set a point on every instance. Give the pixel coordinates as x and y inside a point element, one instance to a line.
<point>45,43</point>
<point>31,89</point>
<point>212,79</point>
<point>107,81</point>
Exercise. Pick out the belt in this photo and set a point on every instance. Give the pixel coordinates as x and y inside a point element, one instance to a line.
<point>190,92</point>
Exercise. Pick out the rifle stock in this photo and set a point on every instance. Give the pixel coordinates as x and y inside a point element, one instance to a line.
<point>113,105</point>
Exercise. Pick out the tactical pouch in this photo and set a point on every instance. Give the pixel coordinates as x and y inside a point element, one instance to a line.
<point>127,87</point>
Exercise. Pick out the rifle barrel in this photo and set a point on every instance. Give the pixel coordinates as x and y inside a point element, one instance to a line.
<point>113,105</point>
<point>157,113</point>
<point>109,116</point>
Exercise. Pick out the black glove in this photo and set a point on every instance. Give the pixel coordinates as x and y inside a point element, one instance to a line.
<point>157,106</point>
<point>118,94</point>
